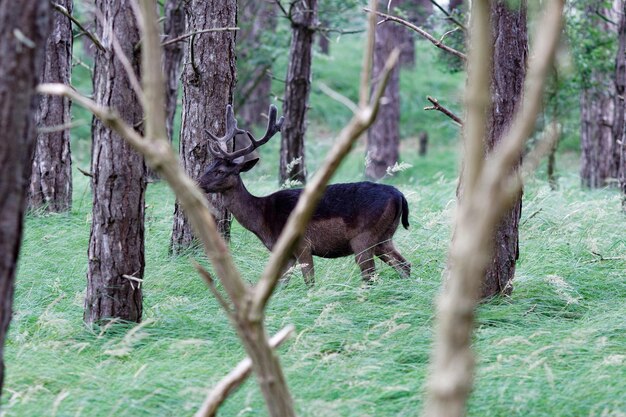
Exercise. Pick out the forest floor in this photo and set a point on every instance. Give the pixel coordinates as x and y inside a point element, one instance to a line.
<point>556,347</point>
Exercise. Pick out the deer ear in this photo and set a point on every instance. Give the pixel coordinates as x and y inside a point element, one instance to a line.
<point>247,165</point>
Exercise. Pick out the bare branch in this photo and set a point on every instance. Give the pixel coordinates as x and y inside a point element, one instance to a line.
<point>236,377</point>
<point>197,32</point>
<point>162,158</point>
<point>449,16</point>
<point>421,32</point>
<point>300,216</point>
<point>486,196</point>
<point>436,106</point>
<point>89,34</point>
<point>368,57</point>
<point>59,128</point>
<point>211,283</point>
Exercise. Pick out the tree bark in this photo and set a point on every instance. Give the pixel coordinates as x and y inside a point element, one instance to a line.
<point>173,26</point>
<point>298,88</point>
<point>598,159</point>
<point>254,86</point>
<point>209,74</point>
<point>116,243</point>
<point>51,180</point>
<point>619,117</point>
<point>383,138</point>
<point>21,60</point>
<point>510,50</point>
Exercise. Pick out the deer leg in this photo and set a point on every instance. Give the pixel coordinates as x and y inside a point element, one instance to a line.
<point>390,255</point>
<point>305,258</point>
<point>365,259</point>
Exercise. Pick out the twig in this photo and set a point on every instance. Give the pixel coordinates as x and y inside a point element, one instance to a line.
<point>421,32</point>
<point>197,32</point>
<point>211,283</point>
<point>85,173</point>
<point>531,216</point>
<point>132,279</point>
<point>67,14</point>
<point>449,16</point>
<point>436,106</point>
<point>236,377</point>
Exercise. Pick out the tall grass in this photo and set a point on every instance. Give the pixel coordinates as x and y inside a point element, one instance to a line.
<point>556,347</point>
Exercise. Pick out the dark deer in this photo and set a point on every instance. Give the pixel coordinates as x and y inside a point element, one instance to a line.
<point>356,218</point>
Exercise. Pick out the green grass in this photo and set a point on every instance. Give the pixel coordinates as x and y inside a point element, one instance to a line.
<point>556,347</point>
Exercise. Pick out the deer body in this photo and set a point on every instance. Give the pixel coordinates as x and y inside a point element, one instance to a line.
<point>356,218</point>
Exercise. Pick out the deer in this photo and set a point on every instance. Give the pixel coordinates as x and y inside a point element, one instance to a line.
<point>357,218</point>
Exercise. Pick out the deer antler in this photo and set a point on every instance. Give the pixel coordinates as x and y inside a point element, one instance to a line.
<point>273,127</point>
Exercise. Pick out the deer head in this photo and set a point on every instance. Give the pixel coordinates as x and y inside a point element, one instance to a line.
<point>222,174</point>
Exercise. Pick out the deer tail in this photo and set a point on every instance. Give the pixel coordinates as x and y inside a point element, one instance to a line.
<point>405,212</point>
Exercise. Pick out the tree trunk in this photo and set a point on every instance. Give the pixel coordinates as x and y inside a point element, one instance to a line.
<point>51,181</point>
<point>254,86</point>
<point>173,26</point>
<point>418,12</point>
<point>510,51</point>
<point>209,75</point>
<point>619,124</point>
<point>298,87</point>
<point>383,138</point>
<point>116,243</point>
<point>21,60</point>
<point>598,159</point>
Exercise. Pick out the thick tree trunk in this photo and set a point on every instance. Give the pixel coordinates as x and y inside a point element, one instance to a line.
<point>510,51</point>
<point>598,158</point>
<point>418,12</point>
<point>383,138</point>
<point>254,63</point>
<point>21,60</point>
<point>298,88</point>
<point>209,75</point>
<point>116,243</point>
<point>619,125</point>
<point>173,26</point>
<point>51,181</point>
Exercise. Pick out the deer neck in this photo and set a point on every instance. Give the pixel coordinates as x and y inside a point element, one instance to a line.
<point>247,209</point>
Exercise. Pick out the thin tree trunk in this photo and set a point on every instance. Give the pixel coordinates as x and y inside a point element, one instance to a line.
<point>21,60</point>
<point>209,75</point>
<point>598,162</point>
<point>510,51</point>
<point>254,62</point>
<point>298,88</point>
<point>51,180</point>
<point>173,26</point>
<point>383,138</point>
<point>116,243</point>
<point>619,124</point>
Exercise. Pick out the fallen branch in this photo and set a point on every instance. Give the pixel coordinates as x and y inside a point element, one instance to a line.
<point>236,377</point>
<point>436,106</point>
<point>421,32</point>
